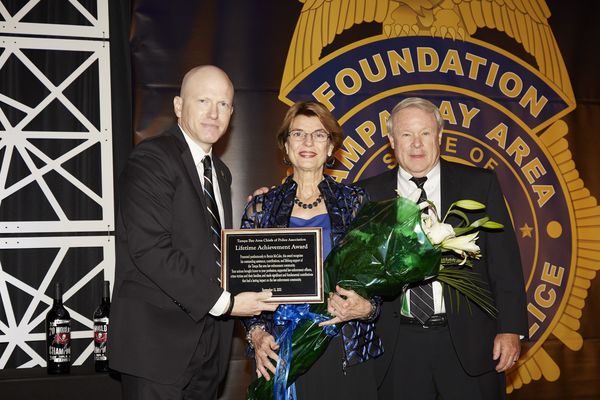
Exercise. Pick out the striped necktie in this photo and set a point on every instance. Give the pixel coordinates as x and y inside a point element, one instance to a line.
<point>421,297</point>
<point>213,210</point>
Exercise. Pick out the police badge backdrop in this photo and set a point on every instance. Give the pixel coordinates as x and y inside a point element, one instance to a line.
<point>516,80</point>
<point>517,85</point>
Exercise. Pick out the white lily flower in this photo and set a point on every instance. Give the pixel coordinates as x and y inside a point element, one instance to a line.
<point>463,245</point>
<point>438,232</point>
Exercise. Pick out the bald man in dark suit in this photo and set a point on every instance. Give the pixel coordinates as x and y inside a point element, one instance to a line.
<point>171,330</point>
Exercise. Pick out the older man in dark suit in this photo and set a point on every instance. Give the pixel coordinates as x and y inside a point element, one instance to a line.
<point>436,347</point>
<point>170,331</point>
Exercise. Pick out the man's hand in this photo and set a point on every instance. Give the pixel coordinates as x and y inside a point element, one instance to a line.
<point>248,304</point>
<point>507,348</point>
<point>261,190</point>
<point>346,305</point>
<point>264,352</point>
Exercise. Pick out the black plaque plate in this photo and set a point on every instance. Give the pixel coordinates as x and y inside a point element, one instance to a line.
<point>287,261</point>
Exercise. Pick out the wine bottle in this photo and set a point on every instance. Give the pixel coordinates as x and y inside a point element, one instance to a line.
<point>58,335</point>
<point>101,317</point>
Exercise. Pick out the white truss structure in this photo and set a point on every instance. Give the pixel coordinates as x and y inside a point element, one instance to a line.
<point>15,139</point>
<point>18,333</point>
<point>21,335</point>
<point>96,27</point>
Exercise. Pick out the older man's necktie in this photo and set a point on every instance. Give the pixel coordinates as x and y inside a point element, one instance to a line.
<point>421,297</point>
<point>213,210</point>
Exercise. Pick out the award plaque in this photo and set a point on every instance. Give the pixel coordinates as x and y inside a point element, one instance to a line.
<point>287,261</point>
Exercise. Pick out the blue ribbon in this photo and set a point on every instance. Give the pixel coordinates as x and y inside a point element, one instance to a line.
<point>288,316</point>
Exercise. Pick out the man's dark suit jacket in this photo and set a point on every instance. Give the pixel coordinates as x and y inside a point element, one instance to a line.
<point>166,276</point>
<point>471,329</point>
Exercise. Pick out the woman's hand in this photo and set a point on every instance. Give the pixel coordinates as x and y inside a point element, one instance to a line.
<point>257,192</point>
<point>264,352</point>
<point>346,305</point>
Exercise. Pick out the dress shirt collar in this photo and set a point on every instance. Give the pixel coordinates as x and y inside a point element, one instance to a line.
<point>433,177</point>
<point>197,152</point>
<point>197,155</point>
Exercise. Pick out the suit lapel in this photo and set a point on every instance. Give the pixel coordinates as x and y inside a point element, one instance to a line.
<point>190,167</point>
<point>449,186</point>
<point>225,189</point>
<point>192,171</point>
<point>224,185</point>
<point>384,186</point>
<point>391,184</point>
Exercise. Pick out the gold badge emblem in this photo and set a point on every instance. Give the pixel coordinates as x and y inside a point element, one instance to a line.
<point>503,111</point>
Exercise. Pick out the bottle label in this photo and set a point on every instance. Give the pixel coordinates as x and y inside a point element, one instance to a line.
<point>59,335</point>
<point>100,338</point>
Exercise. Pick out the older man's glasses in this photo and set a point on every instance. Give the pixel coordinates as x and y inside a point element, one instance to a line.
<point>320,135</point>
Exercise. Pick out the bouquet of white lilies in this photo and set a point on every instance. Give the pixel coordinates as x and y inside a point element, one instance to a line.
<point>390,245</point>
<point>457,243</point>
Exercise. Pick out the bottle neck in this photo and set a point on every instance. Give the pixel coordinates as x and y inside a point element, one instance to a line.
<point>58,294</point>
<point>106,292</point>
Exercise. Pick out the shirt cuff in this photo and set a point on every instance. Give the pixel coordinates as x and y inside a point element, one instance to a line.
<point>221,305</point>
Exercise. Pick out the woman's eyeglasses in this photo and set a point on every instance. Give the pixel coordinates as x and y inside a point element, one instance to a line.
<point>320,135</point>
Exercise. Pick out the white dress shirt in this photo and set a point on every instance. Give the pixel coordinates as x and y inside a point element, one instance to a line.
<point>433,191</point>
<point>198,155</point>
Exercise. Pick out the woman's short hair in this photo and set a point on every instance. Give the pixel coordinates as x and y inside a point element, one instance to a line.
<point>311,109</point>
<point>421,104</point>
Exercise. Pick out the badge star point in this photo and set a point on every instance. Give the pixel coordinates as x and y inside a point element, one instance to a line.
<point>526,231</point>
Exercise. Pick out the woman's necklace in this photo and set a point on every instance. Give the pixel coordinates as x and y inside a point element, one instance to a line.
<point>309,205</point>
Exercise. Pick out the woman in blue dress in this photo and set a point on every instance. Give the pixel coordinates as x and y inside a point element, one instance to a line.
<point>309,137</point>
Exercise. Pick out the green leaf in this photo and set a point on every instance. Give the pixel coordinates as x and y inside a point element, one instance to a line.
<point>471,205</point>
<point>460,214</point>
<point>469,284</point>
<point>461,231</point>
<point>452,260</point>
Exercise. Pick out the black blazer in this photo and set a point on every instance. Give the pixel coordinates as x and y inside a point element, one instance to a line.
<point>472,330</point>
<point>166,277</point>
